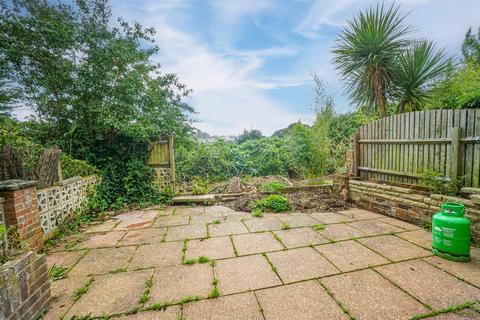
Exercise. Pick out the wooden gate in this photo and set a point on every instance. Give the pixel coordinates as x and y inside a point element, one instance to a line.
<point>400,147</point>
<point>161,158</point>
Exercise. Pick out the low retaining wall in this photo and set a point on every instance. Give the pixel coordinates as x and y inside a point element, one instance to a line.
<point>407,204</point>
<point>58,202</point>
<point>24,287</point>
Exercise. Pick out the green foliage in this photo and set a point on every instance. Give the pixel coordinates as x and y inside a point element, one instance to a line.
<point>57,272</point>
<point>438,184</point>
<point>249,135</point>
<point>257,212</point>
<point>318,226</point>
<point>74,167</point>
<point>471,47</point>
<point>275,203</point>
<point>203,259</point>
<point>285,226</point>
<point>94,89</point>
<point>273,187</point>
<point>8,243</point>
<point>200,187</point>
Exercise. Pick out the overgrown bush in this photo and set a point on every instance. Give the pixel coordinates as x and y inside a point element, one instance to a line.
<point>274,187</point>
<point>275,203</point>
<point>200,187</point>
<point>74,167</point>
<point>439,185</point>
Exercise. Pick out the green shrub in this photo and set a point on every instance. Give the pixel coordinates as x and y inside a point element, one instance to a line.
<point>200,187</point>
<point>73,167</point>
<point>274,186</point>
<point>273,203</point>
<point>438,184</point>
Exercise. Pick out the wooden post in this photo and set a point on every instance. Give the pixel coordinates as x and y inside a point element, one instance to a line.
<point>356,154</point>
<point>456,155</point>
<point>171,162</point>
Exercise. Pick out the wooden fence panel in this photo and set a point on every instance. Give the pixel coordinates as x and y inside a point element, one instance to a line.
<point>161,158</point>
<point>400,147</point>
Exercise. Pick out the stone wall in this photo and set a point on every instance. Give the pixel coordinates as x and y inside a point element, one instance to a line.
<point>24,287</point>
<point>61,200</point>
<point>407,204</point>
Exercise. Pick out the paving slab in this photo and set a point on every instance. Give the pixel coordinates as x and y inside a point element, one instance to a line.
<point>168,221</point>
<point>213,248</point>
<point>369,296</point>
<point>102,226</point>
<point>340,231</point>
<point>263,224</point>
<point>217,209</point>
<point>143,236</point>
<point>204,219</point>
<point>350,255</point>
<point>237,216</point>
<point>304,300</point>
<point>469,271</point>
<point>188,211</point>
<point>227,228</point>
<point>394,248</point>
<point>421,237</point>
<point>245,273</point>
<point>137,220</point>
<point>374,227</point>
<point>300,237</point>
<point>430,285</point>
<point>63,291</point>
<point>330,217</point>
<point>235,307</point>
<point>192,231</point>
<point>299,220</point>
<point>360,214</point>
<point>157,255</point>
<point>66,259</point>
<point>256,243</point>
<point>111,294</point>
<point>98,261</point>
<point>174,283</point>
<point>170,313</point>
<point>401,224</point>
<point>300,264</point>
<point>109,239</point>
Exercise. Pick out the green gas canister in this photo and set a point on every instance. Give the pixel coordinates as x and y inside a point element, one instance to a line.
<point>451,233</point>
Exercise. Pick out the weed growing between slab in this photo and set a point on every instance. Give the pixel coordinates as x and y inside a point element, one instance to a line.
<point>257,213</point>
<point>344,309</point>
<point>119,270</point>
<point>234,249</point>
<point>146,293</point>
<point>455,308</point>
<point>318,227</point>
<point>189,261</point>
<point>78,293</point>
<point>279,239</point>
<point>57,272</point>
<point>274,269</point>
<point>285,226</point>
<point>216,222</point>
<point>184,249</point>
<point>203,259</point>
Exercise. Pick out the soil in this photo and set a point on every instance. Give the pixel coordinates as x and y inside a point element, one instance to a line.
<point>317,200</point>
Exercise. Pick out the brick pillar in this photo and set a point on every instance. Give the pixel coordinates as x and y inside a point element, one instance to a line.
<point>21,212</point>
<point>341,185</point>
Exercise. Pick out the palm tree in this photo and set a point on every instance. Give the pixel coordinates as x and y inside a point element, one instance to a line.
<point>416,69</point>
<point>366,51</point>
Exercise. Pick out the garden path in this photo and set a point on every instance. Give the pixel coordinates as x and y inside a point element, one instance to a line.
<point>214,263</point>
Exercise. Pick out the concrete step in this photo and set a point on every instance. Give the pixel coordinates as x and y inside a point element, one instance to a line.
<point>194,199</point>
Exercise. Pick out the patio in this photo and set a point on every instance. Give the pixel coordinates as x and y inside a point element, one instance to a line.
<point>214,263</point>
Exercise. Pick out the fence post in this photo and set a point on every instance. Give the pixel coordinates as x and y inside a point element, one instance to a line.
<point>356,154</point>
<point>456,153</point>
<point>171,162</point>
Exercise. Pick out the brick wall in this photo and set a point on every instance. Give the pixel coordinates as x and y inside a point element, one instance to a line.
<point>407,204</point>
<point>24,287</point>
<point>21,211</point>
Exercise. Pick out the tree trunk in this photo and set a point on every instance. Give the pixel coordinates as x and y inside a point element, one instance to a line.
<point>379,96</point>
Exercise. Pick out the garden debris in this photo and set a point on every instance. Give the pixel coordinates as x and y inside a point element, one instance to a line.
<point>315,200</point>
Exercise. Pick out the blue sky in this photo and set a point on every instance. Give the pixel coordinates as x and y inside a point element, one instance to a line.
<point>248,62</point>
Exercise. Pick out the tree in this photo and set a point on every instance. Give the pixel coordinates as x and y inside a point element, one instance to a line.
<point>414,74</point>
<point>365,54</point>
<point>471,47</point>
<point>93,88</point>
<point>249,135</point>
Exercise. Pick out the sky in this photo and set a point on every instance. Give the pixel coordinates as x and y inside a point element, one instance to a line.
<point>249,62</point>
